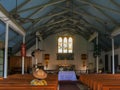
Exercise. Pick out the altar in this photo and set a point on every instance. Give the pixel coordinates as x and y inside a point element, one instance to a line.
<point>67,75</point>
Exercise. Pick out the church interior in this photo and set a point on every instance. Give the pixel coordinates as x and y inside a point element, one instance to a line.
<point>59,44</point>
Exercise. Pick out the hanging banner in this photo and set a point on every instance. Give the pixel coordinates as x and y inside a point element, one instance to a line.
<point>23,50</point>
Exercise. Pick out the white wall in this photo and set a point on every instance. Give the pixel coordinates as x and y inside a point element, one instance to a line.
<point>81,46</point>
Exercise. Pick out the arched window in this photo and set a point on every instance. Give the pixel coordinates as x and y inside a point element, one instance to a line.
<point>70,45</point>
<point>65,44</point>
<point>60,45</point>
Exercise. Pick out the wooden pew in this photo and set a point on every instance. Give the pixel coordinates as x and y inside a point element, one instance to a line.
<point>18,82</point>
<point>111,87</point>
<point>97,81</point>
<point>27,87</point>
<point>1,78</point>
<point>99,85</point>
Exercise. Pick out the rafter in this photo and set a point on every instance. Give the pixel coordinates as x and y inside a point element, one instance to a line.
<point>63,29</point>
<point>102,21</point>
<point>48,25</point>
<point>54,26</point>
<point>92,26</point>
<point>20,6</point>
<point>34,12</point>
<point>52,2</point>
<point>108,16</point>
<point>89,16</point>
<point>115,3</point>
<point>71,19</point>
<point>74,25</point>
<point>37,20</point>
<point>48,16</point>
<point>68,25</point>
<point>99,6</point>
<point>83,29</point>
<point>84,13</point>
<point>52,15</point>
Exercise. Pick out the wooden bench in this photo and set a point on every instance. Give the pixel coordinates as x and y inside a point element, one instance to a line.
<point>27,87</point>
<point>111,87</point>
<point>97,81</point>
<point>18,82</point>
<point>1,78</point>
<point>100,84</point>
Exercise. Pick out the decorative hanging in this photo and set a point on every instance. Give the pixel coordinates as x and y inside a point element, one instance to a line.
<point>47,56</point>
<point>83,56</point>
<point>23,50</point>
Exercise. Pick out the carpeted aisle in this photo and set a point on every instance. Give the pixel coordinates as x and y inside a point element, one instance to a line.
<point>68,85</point>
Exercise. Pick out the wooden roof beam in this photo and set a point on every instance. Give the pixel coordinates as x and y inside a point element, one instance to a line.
<point>20,6</point>
<point>12,23</point>
<point>46,25</point>
<point>99,6</point>
<point>90,25</point>
<point>52,15</point>
<point>82,14</point>
<point>52,2</point>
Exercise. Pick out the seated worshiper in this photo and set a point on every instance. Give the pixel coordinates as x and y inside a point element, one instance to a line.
<point>40,75</point>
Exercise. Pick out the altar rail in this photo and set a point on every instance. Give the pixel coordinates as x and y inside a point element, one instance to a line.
<point>22,82</point>
<point>101,81</point>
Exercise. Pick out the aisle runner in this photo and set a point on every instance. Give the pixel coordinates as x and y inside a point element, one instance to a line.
<point>68,85</point>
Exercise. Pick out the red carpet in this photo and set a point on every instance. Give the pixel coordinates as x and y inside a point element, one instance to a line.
<point>68,85</point>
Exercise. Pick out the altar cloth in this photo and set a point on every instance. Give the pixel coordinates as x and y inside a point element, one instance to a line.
<point>67,75</point>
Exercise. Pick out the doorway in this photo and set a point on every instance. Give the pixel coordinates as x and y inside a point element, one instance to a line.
<point>106,63</point>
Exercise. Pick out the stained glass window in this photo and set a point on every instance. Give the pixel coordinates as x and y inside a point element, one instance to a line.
<point>65,45</point>
<point>70,45</point>
<point>60,45</point>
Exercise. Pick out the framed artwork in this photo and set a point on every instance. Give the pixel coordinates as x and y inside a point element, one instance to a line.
<point>46,56</point>
<point>83,56</point>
